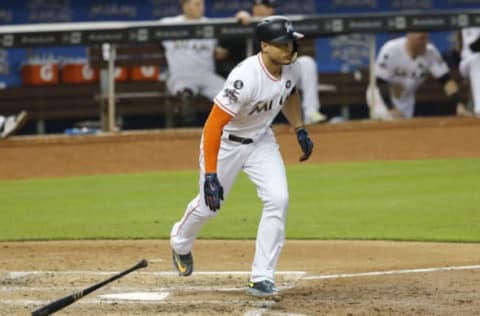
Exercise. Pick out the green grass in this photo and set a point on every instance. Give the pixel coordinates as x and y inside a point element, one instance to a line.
<point>398,200</point>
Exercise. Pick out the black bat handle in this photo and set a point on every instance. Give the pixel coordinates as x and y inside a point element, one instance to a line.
<point>67,300</point>
<point>57,305</point>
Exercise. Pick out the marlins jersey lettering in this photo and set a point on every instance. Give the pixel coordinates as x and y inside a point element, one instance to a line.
<point>190,55</point>
<point>404,74</point>
<point>254,97</point>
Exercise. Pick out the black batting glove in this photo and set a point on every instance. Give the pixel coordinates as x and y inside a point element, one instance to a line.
<point>212,191</point>
<point>475,46</point>
<point>305,142</point>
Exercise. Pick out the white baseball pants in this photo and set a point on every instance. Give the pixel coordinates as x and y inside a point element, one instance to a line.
<point>470,69</point>
<point>308,84</point>
<point>205,83</point>
<point>263,164</point>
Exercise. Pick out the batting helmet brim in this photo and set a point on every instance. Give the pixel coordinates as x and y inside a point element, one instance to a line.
<point>287,38</point>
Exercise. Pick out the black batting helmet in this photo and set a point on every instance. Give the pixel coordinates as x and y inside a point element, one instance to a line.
<point>270,3</point>
<point>276,29</point>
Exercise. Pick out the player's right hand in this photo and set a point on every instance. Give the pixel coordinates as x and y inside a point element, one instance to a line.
<point>396,114</point>
<point>213,191</point>
<point>462,110</point>
<point>243,17</point>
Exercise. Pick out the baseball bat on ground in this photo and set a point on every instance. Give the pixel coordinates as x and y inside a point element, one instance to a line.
<point>67,300</point>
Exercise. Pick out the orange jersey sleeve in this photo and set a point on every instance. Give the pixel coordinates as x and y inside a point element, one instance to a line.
<point>212,132</point>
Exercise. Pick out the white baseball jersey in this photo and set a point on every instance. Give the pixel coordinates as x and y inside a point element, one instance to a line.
<point>469,35</point>
<point>254,97</point>
<point>189,55</point>
<point>191,63</point>
<point>405,74</point>
<point>470,64</point>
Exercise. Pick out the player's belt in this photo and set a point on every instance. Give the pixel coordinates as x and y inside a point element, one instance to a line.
<point>241,140</point>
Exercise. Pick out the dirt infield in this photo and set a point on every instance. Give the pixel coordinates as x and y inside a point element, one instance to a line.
<point>59,156</point>
<point>316,277</point>
<point>307,276</point>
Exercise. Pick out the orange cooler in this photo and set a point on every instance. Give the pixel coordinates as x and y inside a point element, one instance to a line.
<point>40,73</point>
<point>144,73</point>
<point>79,72</point>
<point>121,74</point>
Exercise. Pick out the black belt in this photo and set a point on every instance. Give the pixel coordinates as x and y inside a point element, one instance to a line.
<point>241,140</point>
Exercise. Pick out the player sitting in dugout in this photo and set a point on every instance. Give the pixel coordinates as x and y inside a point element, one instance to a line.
<point>470,63</point>
<point>191,63</point>
<point>402,66</point>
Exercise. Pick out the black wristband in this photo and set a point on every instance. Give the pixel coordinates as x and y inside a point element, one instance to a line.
<point>456,98</point>
<point>475,46</point>
<point>384,91</point>
<point>444,79</point>
<point>299,128</point>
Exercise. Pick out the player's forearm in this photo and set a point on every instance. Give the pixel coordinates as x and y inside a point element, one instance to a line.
<point>212,133</point>
<point>292,111</point>
<point>384,92</point>
<point>450,87</point>
<point>453,92</point>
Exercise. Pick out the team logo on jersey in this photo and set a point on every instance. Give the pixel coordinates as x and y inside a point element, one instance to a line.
<point>261,107</point>
<point>231,95</point>
<point>400,72</point>
<point>238,84</point>
<point>288,84</point>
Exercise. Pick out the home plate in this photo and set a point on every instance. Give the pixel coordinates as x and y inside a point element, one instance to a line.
<point>136,296</point>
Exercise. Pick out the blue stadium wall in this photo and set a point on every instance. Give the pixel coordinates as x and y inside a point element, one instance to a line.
<point>343,53</point>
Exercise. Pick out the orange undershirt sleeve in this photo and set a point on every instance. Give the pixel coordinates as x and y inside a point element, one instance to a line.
<point>212,132</point>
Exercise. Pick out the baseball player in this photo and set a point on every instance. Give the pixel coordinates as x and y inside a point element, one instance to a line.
<point>401,67</point>
<point>470,63</point>
<point>237,136</point>
<point>191,62</point>
<point>308,83</point>
<point>10,124</point>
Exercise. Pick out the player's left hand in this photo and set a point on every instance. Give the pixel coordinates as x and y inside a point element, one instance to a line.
<point>463,111</point>
<point>305,142</point>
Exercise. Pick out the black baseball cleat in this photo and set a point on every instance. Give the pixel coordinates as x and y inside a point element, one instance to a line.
<point>262,289</point>
<point>183,263</point>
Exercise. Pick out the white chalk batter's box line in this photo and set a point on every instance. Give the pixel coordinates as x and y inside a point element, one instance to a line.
<point>92,300</point>
<point>176,288</point>
<point>296,275</point>
<point>20,274</point>
<point>161,296</point>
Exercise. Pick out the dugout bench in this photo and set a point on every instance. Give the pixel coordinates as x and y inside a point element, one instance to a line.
<point>344,93</point>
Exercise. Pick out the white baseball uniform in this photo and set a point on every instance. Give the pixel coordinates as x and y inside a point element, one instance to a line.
<point>191,63</point>
<point>253,97</point>
<point>404,75</point>
<point>309,85</point>
<point>470,64</point>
